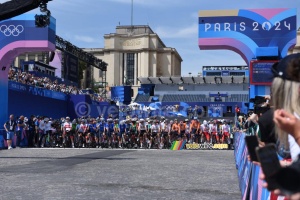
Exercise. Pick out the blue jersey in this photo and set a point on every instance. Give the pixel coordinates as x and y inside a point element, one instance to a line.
<point>110,127</point>
<point>101,126</point>
<point>128,126</point>
<point>92,128</point>
<point>122,128</point>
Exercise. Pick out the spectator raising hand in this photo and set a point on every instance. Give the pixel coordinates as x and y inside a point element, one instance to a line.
<point>288,123</point>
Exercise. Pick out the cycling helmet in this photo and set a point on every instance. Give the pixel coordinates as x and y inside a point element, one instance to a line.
<point>133,119</point>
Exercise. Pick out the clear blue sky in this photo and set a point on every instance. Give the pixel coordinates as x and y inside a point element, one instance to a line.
<point>84,23</point>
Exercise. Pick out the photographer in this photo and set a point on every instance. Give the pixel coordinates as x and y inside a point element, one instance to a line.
<point>251,124</point>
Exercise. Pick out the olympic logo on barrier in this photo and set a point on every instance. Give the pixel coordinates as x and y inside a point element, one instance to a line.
<point>11,30</point>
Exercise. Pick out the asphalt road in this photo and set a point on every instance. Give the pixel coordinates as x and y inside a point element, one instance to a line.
<point>117,174</point>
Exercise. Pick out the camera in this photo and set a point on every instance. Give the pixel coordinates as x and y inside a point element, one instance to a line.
<point>288,178</point>
<point>261,104</point>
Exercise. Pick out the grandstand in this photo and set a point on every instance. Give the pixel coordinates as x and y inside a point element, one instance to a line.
<point>184,98</point>
<point>195,89</point>
<point>142,98</point>
<point>210,92</point>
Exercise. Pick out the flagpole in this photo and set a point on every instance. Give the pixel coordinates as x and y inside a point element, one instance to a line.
<point>131,12</point>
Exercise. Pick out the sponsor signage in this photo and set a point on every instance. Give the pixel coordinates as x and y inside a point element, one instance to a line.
<point>247,30</point>
<point>36,91</point>
<point>206,146</point>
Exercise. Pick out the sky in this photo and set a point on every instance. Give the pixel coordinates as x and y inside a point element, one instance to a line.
<point>84,23</point>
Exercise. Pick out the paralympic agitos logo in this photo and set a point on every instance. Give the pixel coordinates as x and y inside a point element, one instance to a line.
<point>11,30</point>
<point>243,26</point>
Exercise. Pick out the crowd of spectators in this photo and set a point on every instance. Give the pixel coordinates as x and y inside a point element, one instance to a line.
<point>43,82</point>
<point>27,78</point>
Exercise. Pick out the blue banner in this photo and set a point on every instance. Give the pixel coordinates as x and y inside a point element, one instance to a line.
<point>36,91</point>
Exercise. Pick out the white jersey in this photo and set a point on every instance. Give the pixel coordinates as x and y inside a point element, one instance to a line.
<point>187,130</point>
<point>142,126</point>
<point>155,128</point>
<point>165,127</point>
<point>67,126</point>
<point>204,128</point>
<point>213,129</point>
<point>225,128</point>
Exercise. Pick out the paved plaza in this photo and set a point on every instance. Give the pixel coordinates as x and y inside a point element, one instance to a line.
<point>117,174</point>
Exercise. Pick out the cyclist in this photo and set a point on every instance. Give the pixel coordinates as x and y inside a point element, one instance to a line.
<point>214,132</point>
<point>67,131</point>
<point>187,130</point>
<point>155,129</point>
<point>182,129</point>
<point>122,133</point>
<point>109,130</point>
<point>134,132</point>
<point>165,133</point>
<point>175,132</point>
<point>149,132</point>
<point>80,130</point>
<point>92,132</point>
<point>225,132</point>
<point>142,131</point>
<point>116,133</point>
<point>205,132</point>
<point>194,130</point>
<point>100,131</point>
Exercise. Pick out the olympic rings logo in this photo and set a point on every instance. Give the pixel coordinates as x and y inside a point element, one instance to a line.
<point>11,30</point>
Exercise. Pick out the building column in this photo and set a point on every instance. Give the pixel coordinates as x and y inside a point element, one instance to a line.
<point>154,63</point>
<point>125,67</point>
<point>135,69</point>
<point>36,57</point>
